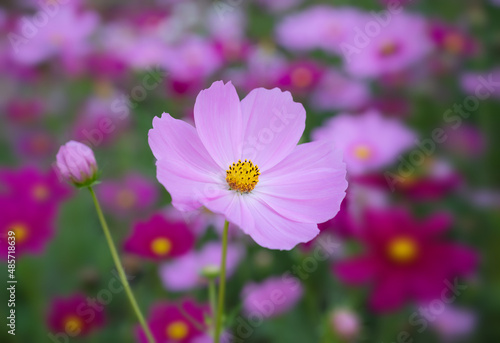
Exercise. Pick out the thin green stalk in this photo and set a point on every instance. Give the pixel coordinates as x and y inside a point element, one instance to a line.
<point>119,268</point>
<point>222,285</point>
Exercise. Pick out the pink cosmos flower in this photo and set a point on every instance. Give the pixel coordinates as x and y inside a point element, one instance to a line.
<point>64,35</point>
<point>300,77</point>
<point>242,161</point>
<point>33,226</point>
<point>319,27</point>
<point>452,39</point>
<point>168,323</point>
<point>338,92</point>
<point>184,273</point>
<point>390,51</point>
<point>405,259</point>
<point>453,323</point>
<point>133,194</point>
<point>369,141</point>
<point>345,323</point>
<point>481,83</point>
<point>33,187</point>
<point>158,239</point>
<point>272,297</point>
<point>72,316</point>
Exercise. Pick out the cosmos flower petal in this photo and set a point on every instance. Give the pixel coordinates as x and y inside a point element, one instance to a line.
<point>356,270</point>
<point>307,186</point>
<point>184,166</point>
<point>273,125</point>
<point>389,293</point>
<point>217,115</point>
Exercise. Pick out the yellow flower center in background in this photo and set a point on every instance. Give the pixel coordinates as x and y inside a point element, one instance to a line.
<point>242,176</point>
<point>454,43</point>
<point>403,250</point>
<point>177,330</point>
<point>161,246</point>
<point>301,77</point>
<point>388,49</point>
<point>20,230</point>
<point>362,152</point>
<point>40,192</point>
<point>73,324</point>
<point>125,198</point>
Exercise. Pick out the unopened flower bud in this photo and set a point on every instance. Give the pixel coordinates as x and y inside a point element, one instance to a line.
<point>76,163</point>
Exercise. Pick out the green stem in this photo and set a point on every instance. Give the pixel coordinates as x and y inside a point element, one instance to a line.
<point>213,301</point>
<point>119,268</point>
<point>222,285</point>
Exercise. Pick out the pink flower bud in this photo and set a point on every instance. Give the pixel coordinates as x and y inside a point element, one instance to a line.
<point>345,323</point>
<point>76,162</point>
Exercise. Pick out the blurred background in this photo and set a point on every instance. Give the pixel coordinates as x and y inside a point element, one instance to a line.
<point>407,89</point>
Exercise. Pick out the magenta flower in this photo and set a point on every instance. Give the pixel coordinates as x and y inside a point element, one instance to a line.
<point>158,238</point>
<point>132,194</point>
<point>272,297</point>
<point>185,272</point>
<point>242,161</point>
<point>33,226</point>
<point>390,51</point>
<point>369,141</point>
<point>72,316</point>
<point>33,188</point>
<point>405,259</point>
<point>168,323</point>
<point>76,163</point>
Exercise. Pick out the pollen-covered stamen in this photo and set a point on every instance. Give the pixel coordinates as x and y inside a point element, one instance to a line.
<point>242,176</point>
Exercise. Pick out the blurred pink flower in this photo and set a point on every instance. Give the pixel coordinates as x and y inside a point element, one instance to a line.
<point>319,27</point>
<point>452,323</point>
<point>24,111</point>
<point>405,259</point>
<point>65,35</point>
<point>300,77</point>
<point>133,194</point>
<point>338,92</point>
<point>452,39</point>
<point>369,141</point>
<point>345,323</point>
<point>168,323</point>
<point>33,226</point>
<point>292,189</point>
<point>73,317</point>
<point>159,239</point>
<point>476,83</point>
<point>390,51</point>
<point>272,297</point>
<point>33,187</point>
<point>184,273</point>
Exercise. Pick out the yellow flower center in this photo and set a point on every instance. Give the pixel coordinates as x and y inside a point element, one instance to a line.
<point>301,77</point>
<point>388,49</point>
<point>403,250</point>
<point>20,230</point>
<point>73,324</point>
<point>161,246</point>
<point>454,43</point>
<point>40,192</point>
<point>362,152</point>
<point>242,176</point>
<point>126,198</point>
<point>177,330</point>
